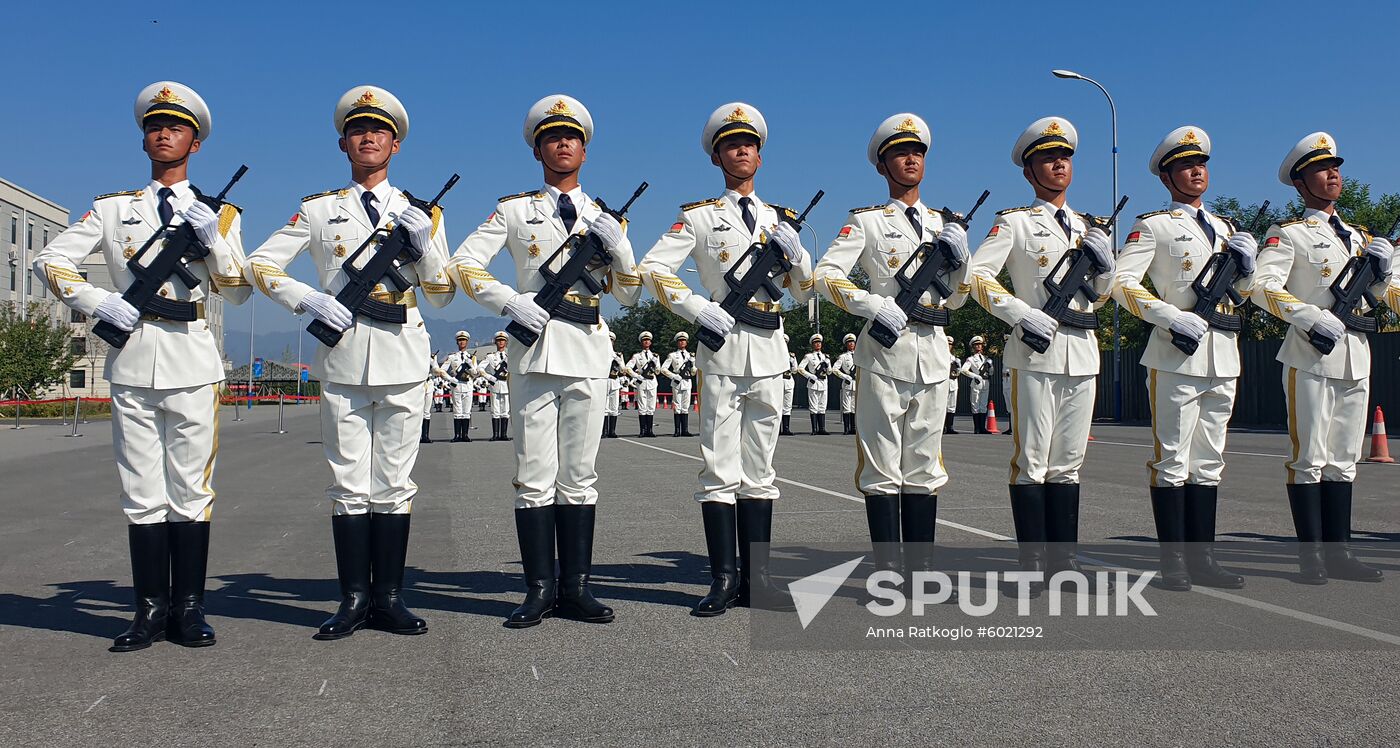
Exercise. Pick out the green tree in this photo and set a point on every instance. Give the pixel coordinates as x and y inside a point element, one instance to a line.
<point>34,351</point>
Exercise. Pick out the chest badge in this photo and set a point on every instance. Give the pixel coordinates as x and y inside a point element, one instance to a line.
<point>339,249</point>
<point>1182,238</point>
<point>1326,271</point>
<point>724,255</point>
<point>534,250</point>
<point>1041,233</point>
<point>1042,260</point>
<point>1186,264</point>
<point>129,253</point>
<point>893,261</point>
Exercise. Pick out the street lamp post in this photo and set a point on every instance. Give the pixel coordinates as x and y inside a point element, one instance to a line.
<point>1117,346</point>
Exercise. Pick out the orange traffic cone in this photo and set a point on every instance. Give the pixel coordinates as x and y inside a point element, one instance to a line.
<point>992,418</point>
<point>1380,449</point>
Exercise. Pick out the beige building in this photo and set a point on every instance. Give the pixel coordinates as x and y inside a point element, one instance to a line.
<point>28,222</point>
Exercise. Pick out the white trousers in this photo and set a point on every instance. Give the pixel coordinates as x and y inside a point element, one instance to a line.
<point>646,397</point>
<point>848,397</point>
<point>1189,419</point>
<point>680,396</point>
<point>1326,423</point>
<point>613,405</point>
<point>462,402</point>
<point>1051,432</point>
<point>559,424</point>
<point>1010,414</point>
<point>789,386</point>
<point>816,397</point>
<point>429,397</point>
<point>370,435</point>
<point>899,436</point>
<point>165,443</point>
<point>952,394</point>
<point>739,425</point>
<point>500,404</point>
<point>979,394</point>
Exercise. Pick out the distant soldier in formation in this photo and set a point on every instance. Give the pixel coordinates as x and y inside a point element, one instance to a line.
<point>789,387</point>
<point>615,379</point>
<point>845,370</point>
<point>645,365</point>
<point>978,368</point>
<point>461,368</point>
<point>954,371</point>
<point>816,367</point>
<point>679,367</point>
<point>431,388</point>
<point>496,368</point>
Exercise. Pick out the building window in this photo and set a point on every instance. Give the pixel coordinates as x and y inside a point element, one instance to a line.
<point>29,282</point>
<point>29,237</point>
<point>14,274</point>
<point>46,238</point>
<point>77,346</point>
<point>76,317</point>
<point>14,230</point>
<point>77,379</point>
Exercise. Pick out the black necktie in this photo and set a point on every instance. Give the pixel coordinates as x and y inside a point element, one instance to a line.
<point>913,214</point>
<point>1206,227</point>
<point>166,210</point>
<point>367,198</point>
<point>1342,233</point>
<point>746,205</point>
<point>567,213</point>
<point>1063,220</point>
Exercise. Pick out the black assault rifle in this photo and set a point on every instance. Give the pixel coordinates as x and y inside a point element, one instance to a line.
<point>1216,282</point>
<point>1353,286</point>
<point>1077,279</point>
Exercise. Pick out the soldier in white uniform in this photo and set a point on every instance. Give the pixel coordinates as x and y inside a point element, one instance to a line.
<point>954,371</point>
<point>372,380</point>
<point>1052,393</point>
<point>845,370</point>
<point>461,367</point>
<point>899,390</point>
<point>482,387</point>
<point>1327,392</point>
<point>645,365</point>
<point>680,368</point>
<point>1006,387</point>
<point>741,382</point>
<point>816,367</point>
<point>612,407</point>
<point>496,368</point>
<point>165,380</point>
<point>437,376</point>
<point>562,379</point>
<point>1192,395</point>
<point>789,387</point>
<point>977,367</point>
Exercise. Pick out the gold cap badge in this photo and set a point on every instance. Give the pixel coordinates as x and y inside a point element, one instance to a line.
<point>166,96</point>
<point>367,99</point>
<point>908,126</point>
<point>1053,129</point>
<point>1322,144</point>
<point>738,115</point>
<point>560,109</point>
<point>1189,139</point>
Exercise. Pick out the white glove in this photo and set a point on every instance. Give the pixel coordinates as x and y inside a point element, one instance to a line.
<point>1190,325</point>
<point>203,220</point>
<point>956,237</point>
<point>1096,242</point>
<point>785,236</point>
<point>1245,247</point>
<point>1039,323</point>
<point>523,309</point>
<point>326,308</point>
<point>1329,326</point>
<point>1381,250</point>
<point>418,225</point>
<point>715,319</point>
<point>608,230</point>
<point>890,315</point>
<point>115,311</point>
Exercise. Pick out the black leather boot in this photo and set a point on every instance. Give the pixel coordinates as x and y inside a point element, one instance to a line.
<point>466,429</point>
<point>849,420</point>
<point>787,426</point>
<point>612,427</point>
<point>1028,514</point>
<point>813,418</point>
<point>918,518</point>
<point>675,425</point>
<point>495,429</point>
<point>755,527</point>
<point>150,580</point>
<point>573,524</point>
<point>1169,514</point>
<point>821,425</point>
<point>685,425</point>
<point>352,539</point>
<point>189,562</point>
<point>1336,533</point>
<point>427,423</point>
<point>457,430</point>
<point>882,517</point>
<point>720,541</point>
<point>948,423</point>
<point>1062,531</point>
<point>1200,540</point>
<point>979,423</point>
<point>534,528</point>
<point>505,428</point>
<point>388,553</point>
<point>1305,502</point>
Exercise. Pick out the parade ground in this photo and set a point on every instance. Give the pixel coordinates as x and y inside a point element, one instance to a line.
<point>657,675</point>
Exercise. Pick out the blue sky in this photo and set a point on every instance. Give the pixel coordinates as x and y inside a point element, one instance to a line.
<point>1256,76</point>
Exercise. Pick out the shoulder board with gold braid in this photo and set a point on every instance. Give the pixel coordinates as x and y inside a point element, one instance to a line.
<point>231,205</point>
<point>784,211</point>
<point>700,204</point>
<point>321,194</point>
<point>516,196</point>
<point>1013,210</point>
<point>1292,222</point>
<point>116,194</point>
<point>1154,213</point>
<point>867,209</point>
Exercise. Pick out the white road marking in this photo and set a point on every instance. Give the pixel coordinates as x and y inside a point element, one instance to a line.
<point>1218,594</point>
<point>94,704</point>
<point>535,671</point>
<point>65,545</point>
<point>730,658</point>
<point>323,688</point>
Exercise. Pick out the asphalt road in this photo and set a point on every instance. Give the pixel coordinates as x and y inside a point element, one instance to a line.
<point>656,675</point>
